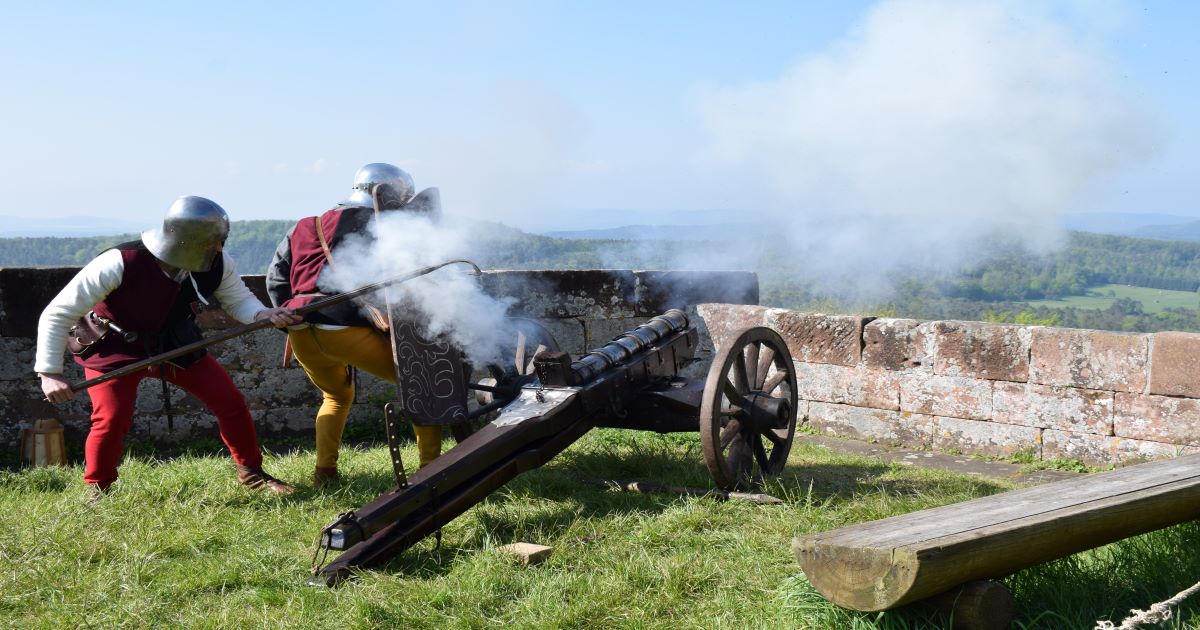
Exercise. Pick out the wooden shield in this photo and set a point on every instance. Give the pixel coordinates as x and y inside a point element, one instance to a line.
<point>429,374</point>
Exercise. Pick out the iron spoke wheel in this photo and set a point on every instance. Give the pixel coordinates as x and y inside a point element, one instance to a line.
<point>748,410</point>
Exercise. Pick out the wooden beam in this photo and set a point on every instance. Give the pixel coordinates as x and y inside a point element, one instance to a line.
<point>891,562</point>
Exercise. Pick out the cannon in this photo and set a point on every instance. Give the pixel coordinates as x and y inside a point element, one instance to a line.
<point>745,411</point>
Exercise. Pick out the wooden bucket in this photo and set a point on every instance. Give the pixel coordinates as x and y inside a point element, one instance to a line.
<point>43,444</point>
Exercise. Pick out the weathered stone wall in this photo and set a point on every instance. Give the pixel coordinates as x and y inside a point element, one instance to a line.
<point>995,389</point>
<point>992,389</point>
<point>582,309</point>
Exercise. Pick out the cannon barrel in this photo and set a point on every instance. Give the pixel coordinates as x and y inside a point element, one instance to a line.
<point>619,350</point>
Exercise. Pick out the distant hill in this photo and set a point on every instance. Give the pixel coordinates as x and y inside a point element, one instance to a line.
<point>1178,232</point>
<point>652,233</point>
<point>11,226</point>
<point>585,219</point>
<point>251,243</point>
<point>1125,223</point>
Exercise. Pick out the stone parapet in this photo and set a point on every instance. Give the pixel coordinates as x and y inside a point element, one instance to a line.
<point>581,309</point>
<point>990,389</point>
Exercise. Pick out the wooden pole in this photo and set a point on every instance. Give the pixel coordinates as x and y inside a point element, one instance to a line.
<point>226,335</point>
<point>891,562</point>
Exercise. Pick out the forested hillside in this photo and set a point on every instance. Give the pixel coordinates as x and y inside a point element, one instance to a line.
<point>1008,272</point>
<point>251,243</point>
<point>996,289</point>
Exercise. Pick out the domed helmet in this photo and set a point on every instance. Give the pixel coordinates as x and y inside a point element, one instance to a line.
<point>395,187</point>
<point>191,234</point>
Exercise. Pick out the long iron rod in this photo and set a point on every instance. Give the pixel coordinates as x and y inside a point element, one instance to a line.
<point>311,307</point>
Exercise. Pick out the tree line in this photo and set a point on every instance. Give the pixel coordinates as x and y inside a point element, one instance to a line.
<point>993,289</point>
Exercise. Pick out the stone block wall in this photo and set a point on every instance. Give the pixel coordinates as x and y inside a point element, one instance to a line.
<point>991,389</point>
<point>582,309</point>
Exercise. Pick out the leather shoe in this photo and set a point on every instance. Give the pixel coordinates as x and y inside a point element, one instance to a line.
<point>258,479</point>
<point>96,493</point>
<point>325,476</point>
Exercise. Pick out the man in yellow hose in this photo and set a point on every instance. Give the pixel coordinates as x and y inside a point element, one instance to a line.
<point>333,340</point>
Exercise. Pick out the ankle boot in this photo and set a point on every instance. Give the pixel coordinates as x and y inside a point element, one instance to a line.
<point>258,479</point>
<point>96,493</point>
<point>325,476</point>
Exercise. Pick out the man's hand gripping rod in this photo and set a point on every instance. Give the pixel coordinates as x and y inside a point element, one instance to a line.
<point>265,323</point>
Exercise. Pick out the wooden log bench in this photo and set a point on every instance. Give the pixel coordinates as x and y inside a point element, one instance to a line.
<point>895,561</point>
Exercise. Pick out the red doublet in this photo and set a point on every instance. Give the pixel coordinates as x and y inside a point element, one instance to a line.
<point>308,260</point>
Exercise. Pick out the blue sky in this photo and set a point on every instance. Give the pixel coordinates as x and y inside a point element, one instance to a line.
<point>538,113</point>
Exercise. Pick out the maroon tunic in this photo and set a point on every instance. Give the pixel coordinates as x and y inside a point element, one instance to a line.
<point>308,261</point>
<point>161,311</point>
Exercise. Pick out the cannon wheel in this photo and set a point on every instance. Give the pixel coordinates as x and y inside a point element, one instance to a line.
<point>527,338</point>
<point>748,412</point>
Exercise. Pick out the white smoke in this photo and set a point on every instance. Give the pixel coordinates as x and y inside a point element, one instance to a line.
<point>931,124</point>
<point>450,301</point>
<point>935,122</point>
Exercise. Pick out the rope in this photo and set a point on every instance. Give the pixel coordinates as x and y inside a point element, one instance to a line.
<point>1158,613</point>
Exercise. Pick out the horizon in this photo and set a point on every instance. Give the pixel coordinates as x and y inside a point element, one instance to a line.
<point>88,226</point>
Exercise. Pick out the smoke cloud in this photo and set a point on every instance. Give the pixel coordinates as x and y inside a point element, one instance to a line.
<point>932,124</point>
<point>449,301</point>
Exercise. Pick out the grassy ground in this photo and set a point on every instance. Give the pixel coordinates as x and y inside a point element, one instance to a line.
<point>180,545</point>
<point>1101,297</point>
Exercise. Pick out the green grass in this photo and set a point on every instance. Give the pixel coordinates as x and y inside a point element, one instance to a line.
<point>180,545</point>
<point>1101,297</point>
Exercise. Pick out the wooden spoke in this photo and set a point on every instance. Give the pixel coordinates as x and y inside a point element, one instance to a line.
<point>773,383</point>
<point>776,439</point>
<point>765,359</point>
<point>519,359</point>
<point>739,373</point>
<point>751,359</point>
<point>731,391</point>
<point>741,458</point>
<point>529,366</point>
<point>760,453</point>
<point>730,431</point>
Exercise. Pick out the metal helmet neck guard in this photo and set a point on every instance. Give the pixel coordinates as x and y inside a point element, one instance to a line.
<point>191,234</point>
<point>395,187</point>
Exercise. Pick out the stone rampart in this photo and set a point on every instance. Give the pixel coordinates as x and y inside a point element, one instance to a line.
<point>990,389</point>
<point>582,309</point>
<point>979,388</point>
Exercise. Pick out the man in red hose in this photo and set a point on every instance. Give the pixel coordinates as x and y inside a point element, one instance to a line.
<point>152,288</point>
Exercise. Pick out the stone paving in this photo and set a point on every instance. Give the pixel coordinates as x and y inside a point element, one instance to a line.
<point>961,464</point>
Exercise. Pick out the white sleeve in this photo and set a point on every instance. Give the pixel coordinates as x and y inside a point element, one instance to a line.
<point>235,296</point>
<point>89,287</point>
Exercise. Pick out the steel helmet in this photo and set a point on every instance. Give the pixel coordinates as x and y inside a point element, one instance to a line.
<point>396,186</point>
<point>191,234</point>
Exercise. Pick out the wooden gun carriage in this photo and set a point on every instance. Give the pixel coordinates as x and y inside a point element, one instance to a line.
<point>745,411</point>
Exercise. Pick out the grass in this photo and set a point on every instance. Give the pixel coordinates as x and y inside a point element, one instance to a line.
<point>1101,297</point>
<point>180,545</point>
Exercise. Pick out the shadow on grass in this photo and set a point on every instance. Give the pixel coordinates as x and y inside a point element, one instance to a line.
<point>839,481</point>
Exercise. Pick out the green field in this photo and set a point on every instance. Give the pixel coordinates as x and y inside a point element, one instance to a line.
<point>1102,297</point>
<point>180,545</point>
